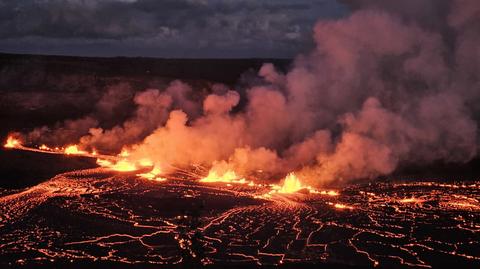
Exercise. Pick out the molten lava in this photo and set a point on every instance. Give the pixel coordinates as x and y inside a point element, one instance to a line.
<point>118,163</point>
<point>329,193</point>
<point>227,177</point>
<point>44,147</point>
<point>342,206</point>
<point>124,163</point>
<point>120,166</point>
<point>73,150</point>
<point>153,175</point>
<point>412,200</point>
<point>291,184</point>
<point>124,153</point>
<point>12,142</point>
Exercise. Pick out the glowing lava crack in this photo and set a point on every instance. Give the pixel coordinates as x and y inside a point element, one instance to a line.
<point>110,215</point>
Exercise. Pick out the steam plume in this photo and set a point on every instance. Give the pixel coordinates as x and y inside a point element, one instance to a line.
<point>381,88</point>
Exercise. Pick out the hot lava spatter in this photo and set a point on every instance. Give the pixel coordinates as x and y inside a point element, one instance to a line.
<point>291,184</point>
<point>122,163</point>
<point>208,217</point>
<point>12,142</point>
<point>214,223</point>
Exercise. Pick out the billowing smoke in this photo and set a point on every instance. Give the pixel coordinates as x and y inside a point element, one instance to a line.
<point>151,110</point>
<point>381,88</point>
<point>109,105</point>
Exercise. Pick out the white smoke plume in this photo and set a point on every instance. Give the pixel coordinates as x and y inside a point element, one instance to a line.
<point>380,89</point>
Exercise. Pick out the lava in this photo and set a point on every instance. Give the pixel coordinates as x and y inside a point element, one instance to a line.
<point>329,193</point>
<point>12,142</point>
<point>359,225</point>
<point>44,147</point>
<point>291,184</point>
<point>120,166</point>
<point>379,91</point>
<point>411,200</point>
<point>73,150</point>
<point>124,163</point>
<point>227,177</point>
<point>342,206</point>
<point>124,153</point>
<point>118,163</point>
<point>154,174</point>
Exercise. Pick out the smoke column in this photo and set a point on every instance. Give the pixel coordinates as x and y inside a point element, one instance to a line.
<point>391,84</point>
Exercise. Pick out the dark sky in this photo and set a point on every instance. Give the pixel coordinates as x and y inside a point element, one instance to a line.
<point>162,28</point>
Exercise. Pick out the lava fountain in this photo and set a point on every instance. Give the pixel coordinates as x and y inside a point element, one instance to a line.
<point>12,142</point>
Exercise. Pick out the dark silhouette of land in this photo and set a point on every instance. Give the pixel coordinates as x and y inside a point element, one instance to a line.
<point>34,88</point>
<point>187,221</point>
<point>38,90</point>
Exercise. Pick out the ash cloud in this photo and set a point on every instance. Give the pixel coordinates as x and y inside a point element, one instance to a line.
<point>100,129</point>
<point>379,90</point>
<point>167,28</point>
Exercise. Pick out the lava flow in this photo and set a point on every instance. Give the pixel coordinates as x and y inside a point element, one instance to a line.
<point>227,177</point>
<point>12,143</point>
<point>118,163</point>
<point>121,163</point>
<point>225,218</point>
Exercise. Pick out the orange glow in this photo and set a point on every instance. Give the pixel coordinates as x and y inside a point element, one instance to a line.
<point>153,175</point>
<point>117,163</point>
<point>73,150</point>
<point>412,200</point>
<point>124,153</point>
<point>121,166</point>
<point>464,205</point>
<point>104,163</point>
<point>44,147</point>
<point>124,165</point>
<point>12,142</point>
<point>461,202</point>
<point>145,162</point>
<point>228,177</point>
<point>341,206</point>
<point>291,184</point>
<point>330,193</point>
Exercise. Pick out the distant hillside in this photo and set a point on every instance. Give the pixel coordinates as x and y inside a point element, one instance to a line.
<point>33,69</point>
<point>35,88</point>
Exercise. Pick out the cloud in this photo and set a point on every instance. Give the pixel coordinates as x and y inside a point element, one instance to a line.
<point>195,26</point>
<point>379,90</point>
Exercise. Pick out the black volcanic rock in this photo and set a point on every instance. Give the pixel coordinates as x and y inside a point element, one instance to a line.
<point>34,88</point>
<point>20,169</point>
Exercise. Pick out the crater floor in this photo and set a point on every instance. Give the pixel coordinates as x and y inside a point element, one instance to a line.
<point>97,215</point>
